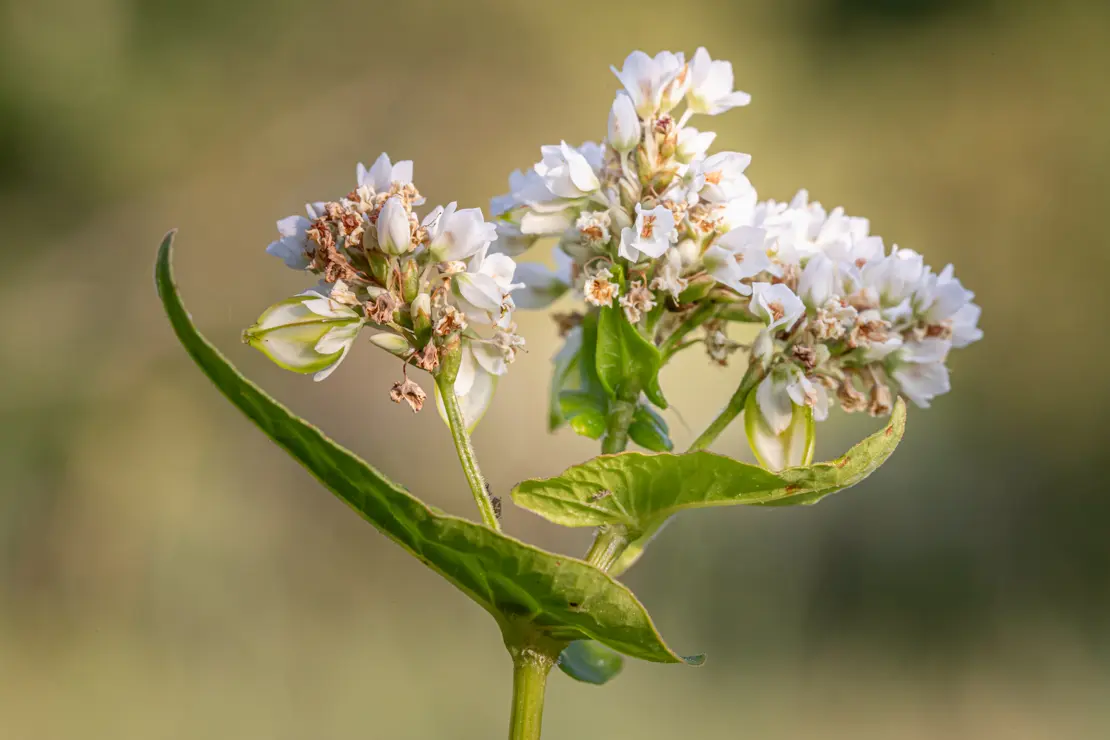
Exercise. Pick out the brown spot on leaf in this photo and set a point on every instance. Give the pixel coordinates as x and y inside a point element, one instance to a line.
<point>842,462</point>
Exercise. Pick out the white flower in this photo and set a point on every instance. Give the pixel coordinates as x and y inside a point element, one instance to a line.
<point>383,174</point>
<point>652,234</point>
<point>485,286</point>
<point>711,86</point>
<point>896,276</point>
<point>777,305</point>
<point>293,246</point>
<point>739,255</point>
<point>542,285</point>
<point>720,177</point>
<point>394,231</point>
<point>965,326</point>
<point>624,124</point>
<point>566,172</point>
<point>307,333</point>
<point>693,144</point>
<point>655,85</point>
<point>921,382</point>
<point>456,235</point>
<point>941,296</point>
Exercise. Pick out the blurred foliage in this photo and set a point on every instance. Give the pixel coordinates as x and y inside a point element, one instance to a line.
<point>165,572</point>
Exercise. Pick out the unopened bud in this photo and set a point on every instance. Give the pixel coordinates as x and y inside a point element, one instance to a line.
<point>392,343</point>
<point>410,280</point>
<point>881,400</point>
<point>394,230</point>
<point>624,124</point>
<point>421,310</point>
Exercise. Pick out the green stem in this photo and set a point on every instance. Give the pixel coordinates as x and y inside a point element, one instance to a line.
<point>732,410</point>
<point>530,669</point>
<point>616,430</point>
<point>609,544</point>
<point>699,316</point>
<point>466,452</point>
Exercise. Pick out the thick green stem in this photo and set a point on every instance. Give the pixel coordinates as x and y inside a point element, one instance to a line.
<point>616,430</point>
<point>610,542</point>
<point>466,453</point>
<point>530,669</point>
<point>732,410</point>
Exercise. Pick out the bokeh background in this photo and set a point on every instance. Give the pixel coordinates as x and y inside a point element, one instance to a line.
<point>165,572</point>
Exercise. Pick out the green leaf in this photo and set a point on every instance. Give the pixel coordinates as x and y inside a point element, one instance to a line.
<point>525,589</point>
<point>565,362</point>
<point>589,661</point>
<point>627,363</point>
<point>640,491</point>
<point>585,412</point>
<point>649,430</point>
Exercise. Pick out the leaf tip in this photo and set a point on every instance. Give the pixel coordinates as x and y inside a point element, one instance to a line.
<point>693,660</point>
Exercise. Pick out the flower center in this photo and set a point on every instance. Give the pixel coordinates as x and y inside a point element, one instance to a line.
<point>648,227</point>
<point>777,311</point>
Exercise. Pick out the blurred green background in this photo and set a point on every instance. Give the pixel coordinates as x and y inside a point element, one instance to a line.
<point>165,571</point>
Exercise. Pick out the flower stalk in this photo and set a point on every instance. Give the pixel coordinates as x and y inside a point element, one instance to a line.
<point>465,450</point>
<point>735,406</point>
<point>609,544</point>
<point>617,423</point>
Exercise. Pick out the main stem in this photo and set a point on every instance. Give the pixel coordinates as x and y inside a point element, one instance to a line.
<point>732,410</point>
<point>466,453</point>
<point>530,669</point>
<point>609,543</point>
<point>616,430</point>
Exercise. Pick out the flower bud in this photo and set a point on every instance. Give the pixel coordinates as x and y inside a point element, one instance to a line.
<point>421,310</point>
<point>624,124</point>
<point>779,437</point>
<point>392,343</point>
<point>307,333</point>
<point>410,280</point>
<point>394,230</point>
<point>763,348</point>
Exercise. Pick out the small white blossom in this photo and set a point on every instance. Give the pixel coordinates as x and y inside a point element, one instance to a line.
<point>566,172</point>
<point>711,86</point>
<point>485,287</point>
<point>455,234</point>
<point>293,246</point>
<point>652,234</point>
<point>777,305</point>
<point>383,174</point>
<point>739,255</point>
<point>654,84</point>
<point>720,178</point>
<point>693,144</point>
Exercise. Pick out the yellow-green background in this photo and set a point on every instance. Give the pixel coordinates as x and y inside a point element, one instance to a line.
<point>165,572</point>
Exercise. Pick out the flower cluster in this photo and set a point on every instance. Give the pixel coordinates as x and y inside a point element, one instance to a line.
<point>674,235</point>
<point>430,288</point>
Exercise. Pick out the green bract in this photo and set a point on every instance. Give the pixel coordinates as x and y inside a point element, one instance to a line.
<point>640,491</point>
<point>533,595</point>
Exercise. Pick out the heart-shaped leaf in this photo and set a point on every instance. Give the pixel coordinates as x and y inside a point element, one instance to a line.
<point>525,589</point>
<point>589,661</point>
<point>640,491</point>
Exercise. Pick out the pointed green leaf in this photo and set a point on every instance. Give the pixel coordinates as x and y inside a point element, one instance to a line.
<point>523,587</point>
<point>627,363</point>
<point>589,661</point>
<point>640,491</point>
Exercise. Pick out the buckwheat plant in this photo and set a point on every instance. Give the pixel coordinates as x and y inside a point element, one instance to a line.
<point>664,245</point>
